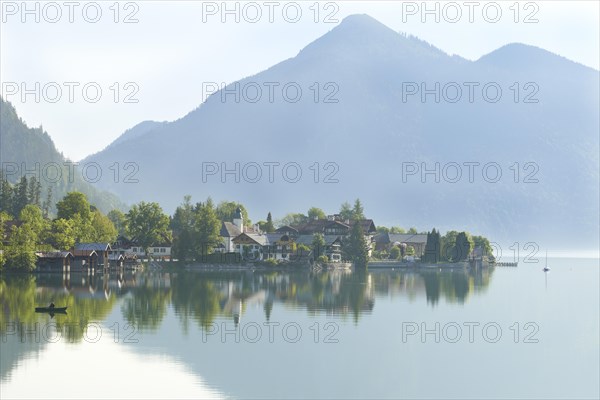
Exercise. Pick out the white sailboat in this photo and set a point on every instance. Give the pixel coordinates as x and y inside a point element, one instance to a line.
<point>546,269</point>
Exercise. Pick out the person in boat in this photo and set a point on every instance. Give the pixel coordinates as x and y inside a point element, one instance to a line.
<point>51,305</point>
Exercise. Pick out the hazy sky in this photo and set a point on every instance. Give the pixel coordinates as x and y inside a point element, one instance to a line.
<point>176,46</point>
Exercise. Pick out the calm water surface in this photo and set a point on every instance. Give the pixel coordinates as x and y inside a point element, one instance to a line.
<point>498,333</point>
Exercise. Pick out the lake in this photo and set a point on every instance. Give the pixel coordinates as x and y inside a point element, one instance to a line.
<point>494,333</point>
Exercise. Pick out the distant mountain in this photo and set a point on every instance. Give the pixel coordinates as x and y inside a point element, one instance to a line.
<point>22,148</point>
<point>547,123</point>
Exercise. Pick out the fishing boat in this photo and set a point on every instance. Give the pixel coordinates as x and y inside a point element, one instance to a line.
<point>51,310</point>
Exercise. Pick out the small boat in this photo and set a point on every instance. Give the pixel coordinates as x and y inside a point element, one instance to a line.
<point>546,269</point>
<point>51,310</point>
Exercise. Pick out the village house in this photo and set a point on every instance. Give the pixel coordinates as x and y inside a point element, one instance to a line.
<point>101,249</point>
<point>84,259</point>
<point>55,261</point>
<point>131,249</point>
<point>385,241</point>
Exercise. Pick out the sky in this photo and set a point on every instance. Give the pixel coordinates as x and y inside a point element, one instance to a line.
<point>90,71</point>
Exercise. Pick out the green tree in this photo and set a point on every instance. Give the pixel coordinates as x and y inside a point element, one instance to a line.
<point>20,199</point>
<point>448,242</point>
<point>226,210</point>
<point>412,231</point>
<point>47,204</point>
<point>6,195</point>
<point>34,192</point>
<point>62,236</point>
<point>355,248</point>
<point>4,218</point>
<point>104,229</point>
<point>148,224</point>
<point>395,253</point>
<point>433,247</point>
<point>316,213</point>
<point>318,245</point>
<point>484,243</point>
<point>292,219</point>
<point>119,221</point>
<point>463,246</point>
<point>358,211</point>
<point>183,225</point>
<point>269,227</point>
<point>207,227</point>
<point>346,211</point>
<point>31,216</point>
<point>74,203</point>
<point>20,254</point>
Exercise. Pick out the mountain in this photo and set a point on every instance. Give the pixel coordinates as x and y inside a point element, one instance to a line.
<point>23,148</point>
<point>533,116</point>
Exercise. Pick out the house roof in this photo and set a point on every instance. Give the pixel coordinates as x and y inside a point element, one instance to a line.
<point>84,253</point>
<point>319,226</point>
<point>259,239</point>
<point>54,254</point>
<point>116,257</point>
<point>286,228</point>
<point>308,239</point>
<point>93,246</point>
<point>230,230</point>
<point>407,238</point>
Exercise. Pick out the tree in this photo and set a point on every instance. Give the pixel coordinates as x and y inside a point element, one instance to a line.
<point>182,225</point>
<point>6,194</point>
<point>20,254</point>
<point>316,213</point>
<point>148,224</point>
<point>20,199</point>
<point>448,242</point>
<point>395,253</point>
<point>47,204</point>
<point>318,245</point>
<point>463,247</point>
<point>269,227</point>
<point>226,210</point>
<point>34,192</point>
<point>484,243</point>
<point>104,229</point>
<point>346,211</point>
<point>358,210</point>
<point>292,219</point>
<point>207,227</point>
<point>119,221</point>
<point>412,231</point>
<point>433,247</point>
<point>4,217</point>
<point>73,203</point>
<point>355,248</point>
<point>62,235</point>
<point>36,225</point>
<point>83,231</point>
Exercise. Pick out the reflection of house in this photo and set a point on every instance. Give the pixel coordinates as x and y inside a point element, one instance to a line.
<point>101,249</point>
<point>385,241</point>
<point>56,261</point>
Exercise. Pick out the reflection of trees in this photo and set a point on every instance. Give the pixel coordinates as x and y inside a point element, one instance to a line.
<point>146,308</point>
<point>452,285</point>
<point>195,297</point>
<point>19,295</point>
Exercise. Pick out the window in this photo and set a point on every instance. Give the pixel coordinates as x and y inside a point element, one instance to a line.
<point>156,250</point>
<point>163,250</point>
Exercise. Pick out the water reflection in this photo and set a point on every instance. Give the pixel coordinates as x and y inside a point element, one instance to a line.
<point>204,296</point>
